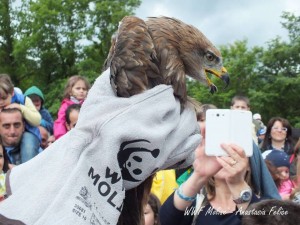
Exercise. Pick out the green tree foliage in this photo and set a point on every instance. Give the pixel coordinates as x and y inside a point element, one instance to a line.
<point>279,75</point>
<point>6,38</point>
<point>55,39</point>
<point>43,42</point>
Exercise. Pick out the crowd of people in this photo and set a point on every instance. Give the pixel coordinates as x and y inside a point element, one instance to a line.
<point>214,190</point>
<point>207,195</point>
<point>27,127</point>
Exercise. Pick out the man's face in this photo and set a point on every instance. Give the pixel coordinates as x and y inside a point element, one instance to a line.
<point>241,105</point>
<point>44,135</point>
<point>11,128</point>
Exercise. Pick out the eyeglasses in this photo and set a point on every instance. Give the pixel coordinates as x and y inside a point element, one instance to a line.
<point>283,129</point>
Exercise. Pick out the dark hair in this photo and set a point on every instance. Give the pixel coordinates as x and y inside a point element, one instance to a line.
<point>267,217</point>
<point>155,206</point>
<point>5,165</point>
<point>6,161</point>
<point>274,172</point>
<point>134,202</point>
<point>202,111</point>
<point>70,109</point>
<point>240,98</point>
<point>267,142</point>
<point>72,81</point>
<point>12,110</point>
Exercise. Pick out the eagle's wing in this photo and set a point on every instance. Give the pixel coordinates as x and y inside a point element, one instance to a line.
<point>167,43</point>
<point>132,58</point>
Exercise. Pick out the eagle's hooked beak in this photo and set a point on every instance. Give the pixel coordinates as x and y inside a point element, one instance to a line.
<point>220,74</point>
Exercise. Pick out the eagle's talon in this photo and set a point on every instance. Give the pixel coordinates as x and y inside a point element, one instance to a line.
<point>213,88</point>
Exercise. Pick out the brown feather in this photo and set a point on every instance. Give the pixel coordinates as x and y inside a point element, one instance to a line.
<point>148,53</point>
<point>133,60</point>
<point>160,50</point>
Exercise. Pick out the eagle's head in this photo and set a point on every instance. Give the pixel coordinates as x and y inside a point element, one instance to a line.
<point>161,50</point>
<point>198,63</point>
<point>200,57</point>
<point>196,54</point>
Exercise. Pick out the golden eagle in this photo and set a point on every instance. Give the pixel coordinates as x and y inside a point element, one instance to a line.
<point>161,50</point>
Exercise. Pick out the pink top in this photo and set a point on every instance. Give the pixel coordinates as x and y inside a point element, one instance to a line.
<point>60,123</point>
<point>285,188</point>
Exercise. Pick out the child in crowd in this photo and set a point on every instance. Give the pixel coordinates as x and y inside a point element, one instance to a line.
<point>3,169</point>
<point>51,140</point>
<point>37,97</point>
<point>72,114</point>
<point>240,102</point>
<point>75,93</point>
<point>30,142</point>
<point>151,211</point>
<point>261,134</point>
<point>280,160</point>
<point>257,121</point>
<point>295,164</point>
<point>45,136</point>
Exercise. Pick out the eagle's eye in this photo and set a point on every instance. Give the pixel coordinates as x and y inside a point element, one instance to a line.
<point>209,56</point>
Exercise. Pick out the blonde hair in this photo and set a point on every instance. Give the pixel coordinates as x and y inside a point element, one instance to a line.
<point>72,81</point>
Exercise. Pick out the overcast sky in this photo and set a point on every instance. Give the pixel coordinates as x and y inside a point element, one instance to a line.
<point>224,22</point>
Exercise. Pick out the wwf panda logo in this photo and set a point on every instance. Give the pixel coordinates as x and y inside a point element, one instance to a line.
<point>133,156</point>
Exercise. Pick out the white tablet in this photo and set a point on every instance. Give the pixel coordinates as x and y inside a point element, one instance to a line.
<point>228,126</point>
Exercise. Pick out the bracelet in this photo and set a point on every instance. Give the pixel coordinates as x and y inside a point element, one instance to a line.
<point>184,197</point>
